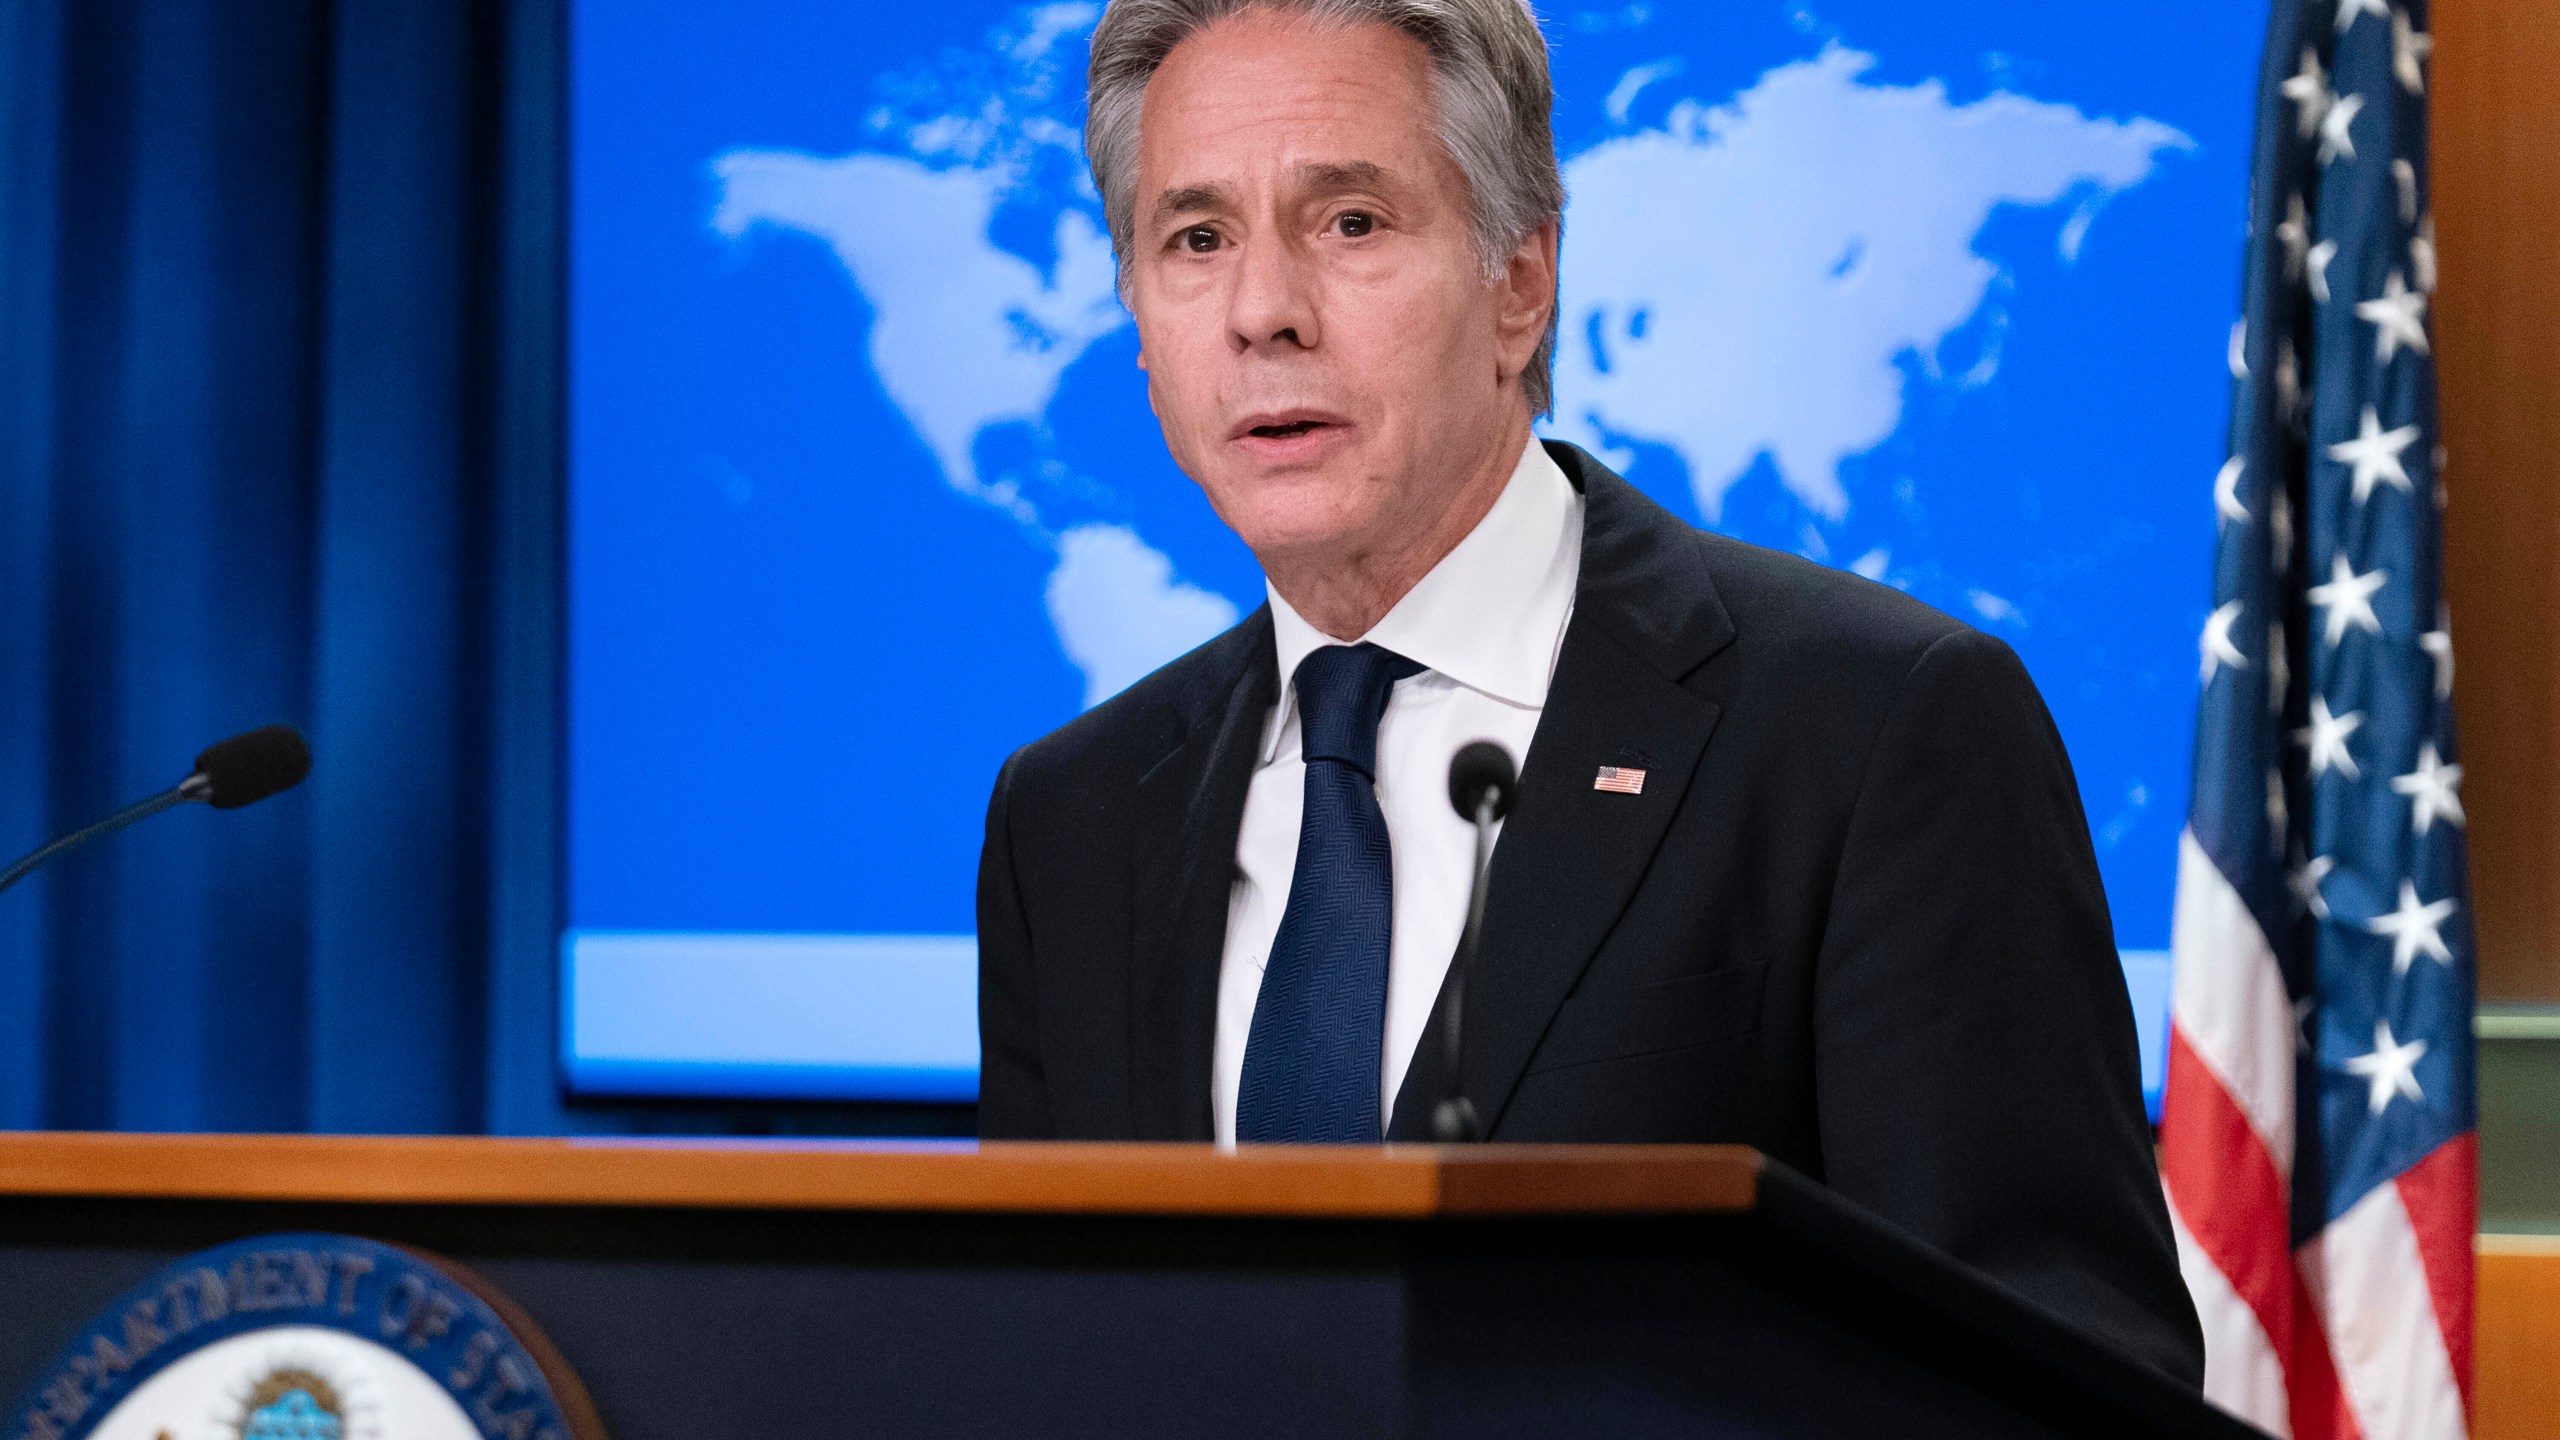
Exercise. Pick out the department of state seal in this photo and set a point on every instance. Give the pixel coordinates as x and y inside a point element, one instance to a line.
<point>306,1337</point>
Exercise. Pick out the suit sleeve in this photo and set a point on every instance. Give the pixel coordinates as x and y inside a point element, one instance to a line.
<point>1976,1066</point>
<point>1013,1096</point>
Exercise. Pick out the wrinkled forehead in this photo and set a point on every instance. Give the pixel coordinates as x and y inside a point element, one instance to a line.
<point>1270,99</point>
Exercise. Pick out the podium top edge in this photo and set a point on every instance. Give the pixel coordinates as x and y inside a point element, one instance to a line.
<point>1387,1183</point>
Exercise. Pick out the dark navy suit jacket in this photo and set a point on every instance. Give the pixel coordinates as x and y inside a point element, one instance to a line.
<point>1853,919</point>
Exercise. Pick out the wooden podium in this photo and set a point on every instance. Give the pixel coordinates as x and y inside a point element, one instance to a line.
<point>772,1290</point>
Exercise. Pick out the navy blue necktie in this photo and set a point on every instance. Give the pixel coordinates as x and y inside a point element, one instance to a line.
<point>1311,1060</point>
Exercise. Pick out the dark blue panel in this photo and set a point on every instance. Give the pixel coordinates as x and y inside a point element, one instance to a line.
<point>250,323</point>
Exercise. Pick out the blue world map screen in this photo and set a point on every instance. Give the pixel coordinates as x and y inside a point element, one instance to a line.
<point>864,492</point>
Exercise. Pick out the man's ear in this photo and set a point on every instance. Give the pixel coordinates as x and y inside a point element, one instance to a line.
<point>1524,298</point>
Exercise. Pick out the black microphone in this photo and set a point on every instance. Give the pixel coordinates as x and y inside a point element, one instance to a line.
<point>242,770</point>
<point>1482,782</point>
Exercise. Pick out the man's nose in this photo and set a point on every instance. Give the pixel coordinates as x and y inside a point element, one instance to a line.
<point>1275,301</point>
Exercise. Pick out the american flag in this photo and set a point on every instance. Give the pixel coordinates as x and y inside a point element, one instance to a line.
<point>1620,780</point>
<point>2317,1134</point>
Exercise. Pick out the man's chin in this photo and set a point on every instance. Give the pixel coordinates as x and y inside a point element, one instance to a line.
<point>1278,520</point>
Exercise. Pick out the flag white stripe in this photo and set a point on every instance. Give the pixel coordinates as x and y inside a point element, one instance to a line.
<point>2227,996</point>
<point>2242,1372</point>
<point>2370,1285</point>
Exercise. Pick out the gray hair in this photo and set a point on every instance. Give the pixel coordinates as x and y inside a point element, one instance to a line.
<point>1489,87</point>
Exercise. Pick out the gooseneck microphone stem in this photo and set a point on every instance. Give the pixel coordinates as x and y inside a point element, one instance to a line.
<point>1454,1122</point>
<point>242,770</point>
<point>192,789</point>
<point>1482,782</point>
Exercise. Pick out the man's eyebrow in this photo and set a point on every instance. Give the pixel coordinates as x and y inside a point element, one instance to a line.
<point>1328,175</point>
<point>1322,176</point>
<point>1183,199</point>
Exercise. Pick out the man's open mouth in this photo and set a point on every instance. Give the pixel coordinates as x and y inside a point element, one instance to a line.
<point>1280,425</point>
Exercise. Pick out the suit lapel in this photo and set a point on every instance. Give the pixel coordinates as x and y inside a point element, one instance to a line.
<point>1189,808</point>
<point>1645,615</point>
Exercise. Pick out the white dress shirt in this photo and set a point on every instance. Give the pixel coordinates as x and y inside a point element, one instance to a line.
<point>1486,623</point>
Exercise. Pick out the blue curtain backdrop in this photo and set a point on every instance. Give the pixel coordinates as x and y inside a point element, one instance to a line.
<point>274,445</point>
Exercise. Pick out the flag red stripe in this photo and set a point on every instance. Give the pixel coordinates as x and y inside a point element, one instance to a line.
<point>2227,1190</point>
<point>2232,1199</point>
<point>2316,1405</point>
<point>2442,1196</point>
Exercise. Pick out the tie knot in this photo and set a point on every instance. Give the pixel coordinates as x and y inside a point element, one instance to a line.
<point>1342,690</point>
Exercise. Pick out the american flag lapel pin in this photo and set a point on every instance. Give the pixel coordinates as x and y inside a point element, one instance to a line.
<point>1619,780</point>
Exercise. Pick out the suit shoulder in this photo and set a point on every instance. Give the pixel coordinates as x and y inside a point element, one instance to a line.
<point>1801,612</point>
<point>1133,729</point>
<point>1784,614</point>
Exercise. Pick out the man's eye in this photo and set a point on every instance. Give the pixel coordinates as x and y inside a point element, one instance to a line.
<point>1199,239</point>
<point>1356,223</point>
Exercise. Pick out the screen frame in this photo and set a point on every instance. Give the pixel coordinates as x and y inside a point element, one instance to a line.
<point>532,1088</point>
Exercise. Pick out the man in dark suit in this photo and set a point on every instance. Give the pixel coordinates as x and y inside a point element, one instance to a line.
<point>1845,910</point>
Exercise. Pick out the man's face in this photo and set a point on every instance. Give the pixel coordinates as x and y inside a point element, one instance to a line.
<point>1322,348</point>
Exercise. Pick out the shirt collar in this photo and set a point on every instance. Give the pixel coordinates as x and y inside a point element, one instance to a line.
<point>1491,615</point>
